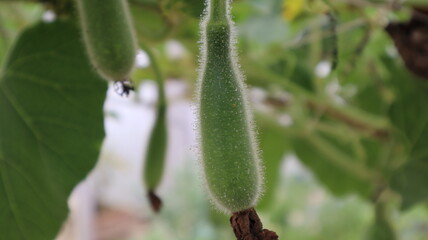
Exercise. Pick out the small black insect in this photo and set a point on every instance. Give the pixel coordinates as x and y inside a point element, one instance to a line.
<point>123,88</point>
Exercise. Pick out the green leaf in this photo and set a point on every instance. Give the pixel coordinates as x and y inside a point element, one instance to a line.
<point>409,113</point>
<point>273,144</point>
<point>193,8</point>
<point>150,22</point>
<point>369,98</point>
<point>409,116</point>
<point>51,128</point>
<point>334,164</point>
<point>410,181</point>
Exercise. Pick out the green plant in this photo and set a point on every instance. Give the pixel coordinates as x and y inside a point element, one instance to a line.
<point>360,129</point>
<point>47,115</point>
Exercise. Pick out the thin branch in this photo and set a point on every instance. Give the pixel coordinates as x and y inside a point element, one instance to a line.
<point>341,160</point>
<point>158,73</point>
<point>354,121</point>
<point>331,15</point>
<point>335,156</point>
<point>357,124</point>
<point>343,28</point>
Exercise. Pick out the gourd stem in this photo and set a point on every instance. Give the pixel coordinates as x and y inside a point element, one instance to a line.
<point>158,74</point>
<point>218,10</point>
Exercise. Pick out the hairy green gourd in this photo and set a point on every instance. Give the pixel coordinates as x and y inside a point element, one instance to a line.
<point>229,154</point>
<point>155,158</point>
<point>156,151</point>
<point>108,36</point>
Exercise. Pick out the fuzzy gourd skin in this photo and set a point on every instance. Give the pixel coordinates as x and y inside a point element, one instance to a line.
<point>108,37</point>
<point>228,150</point>
<point>156,151</point>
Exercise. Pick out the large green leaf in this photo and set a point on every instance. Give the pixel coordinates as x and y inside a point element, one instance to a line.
<point>409,114</point>
<point>335,164</point>
<point>410,181</point>
<point>273,144</point>
<point>51,128</point>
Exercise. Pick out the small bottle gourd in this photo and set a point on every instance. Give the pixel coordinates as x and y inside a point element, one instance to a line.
<point>156,150</point>
<point>155,157</point>
<point>108,37</point>
<point>229,154</point>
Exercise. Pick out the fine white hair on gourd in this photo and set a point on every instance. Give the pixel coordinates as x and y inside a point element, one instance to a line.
<point>240,79</point>
<point>110,42</point>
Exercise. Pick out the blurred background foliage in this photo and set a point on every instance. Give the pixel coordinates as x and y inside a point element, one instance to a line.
<point>342,123</point>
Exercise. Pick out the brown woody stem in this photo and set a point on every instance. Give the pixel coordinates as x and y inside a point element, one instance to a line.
<point>246,225</point>
<point>155,201</point>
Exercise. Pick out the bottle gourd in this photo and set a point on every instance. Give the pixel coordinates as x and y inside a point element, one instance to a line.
<point>155,156</point>
<point>108,36</point>
<point>229,155</point>
<point>157,147</point>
